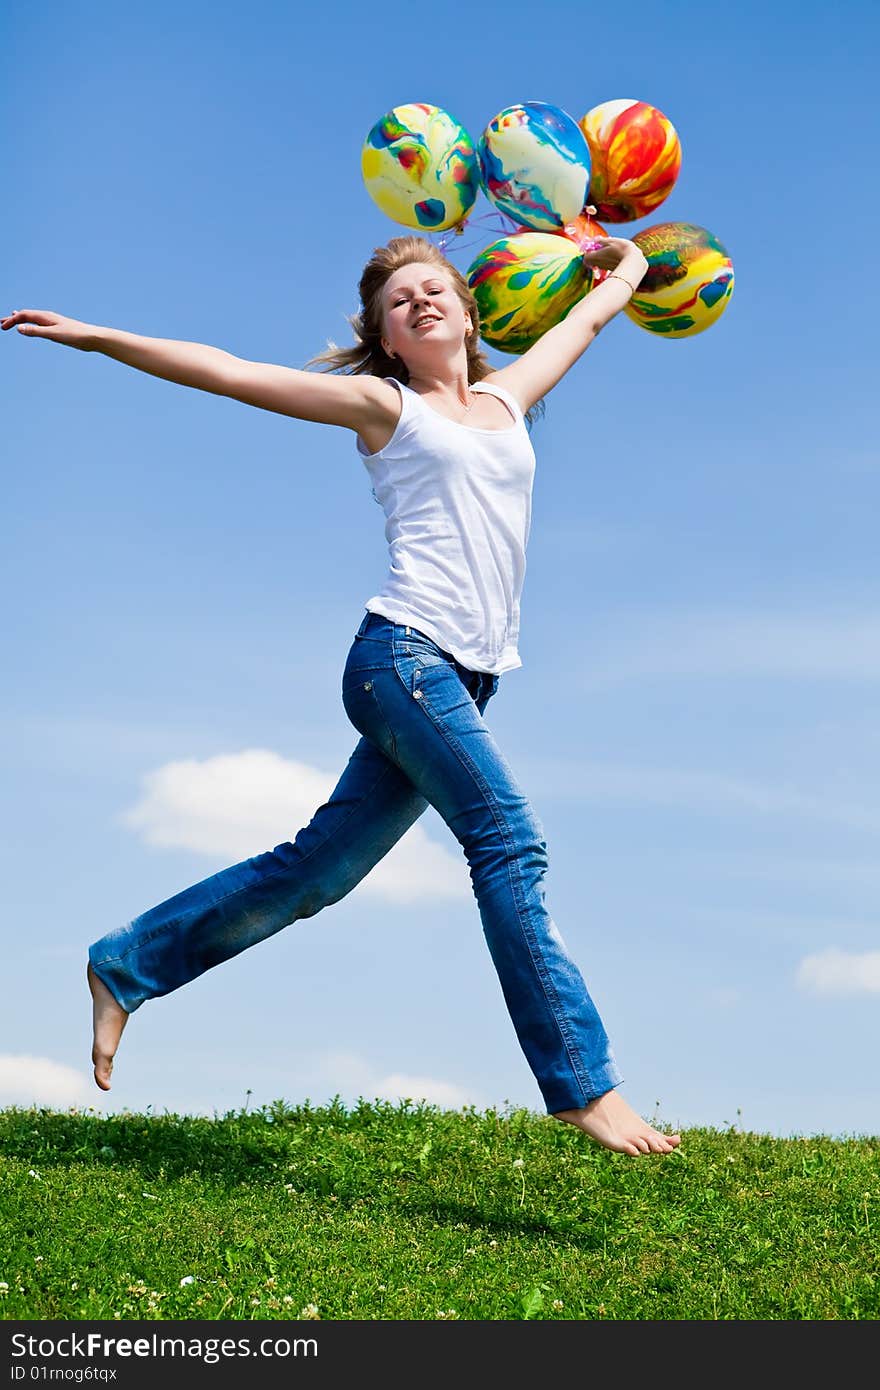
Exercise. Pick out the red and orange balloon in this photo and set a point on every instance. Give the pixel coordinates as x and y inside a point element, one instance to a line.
<point>635,158</point>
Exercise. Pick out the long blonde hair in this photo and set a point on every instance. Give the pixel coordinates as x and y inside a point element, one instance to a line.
<point>366,354</point>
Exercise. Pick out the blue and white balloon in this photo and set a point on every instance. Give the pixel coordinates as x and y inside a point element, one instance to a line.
<point>535,165</point>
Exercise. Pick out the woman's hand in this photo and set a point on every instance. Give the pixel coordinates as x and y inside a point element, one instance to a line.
<point>42,323</point>
<point>612,252</point>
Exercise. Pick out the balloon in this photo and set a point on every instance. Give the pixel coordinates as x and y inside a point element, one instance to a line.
<point>635,156</point>
<point>688,283</point>
<point>585,232</point>
<point>535,165</point>
<point>420,167</point>
<point>524,284</point>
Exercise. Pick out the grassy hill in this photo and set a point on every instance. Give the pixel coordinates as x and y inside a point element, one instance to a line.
<point>406,1212</point>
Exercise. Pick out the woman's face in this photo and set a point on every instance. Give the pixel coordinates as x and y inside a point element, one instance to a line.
<point>422,315</point>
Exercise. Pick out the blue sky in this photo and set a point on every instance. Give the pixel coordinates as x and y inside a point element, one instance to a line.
<point>695,717</point>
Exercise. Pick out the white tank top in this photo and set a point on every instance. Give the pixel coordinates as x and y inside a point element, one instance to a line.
<point>458,507</point>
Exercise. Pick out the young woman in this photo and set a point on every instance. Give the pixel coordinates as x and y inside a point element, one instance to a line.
<point>445,439</point>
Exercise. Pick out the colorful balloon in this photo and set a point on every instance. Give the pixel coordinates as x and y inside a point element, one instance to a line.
<point>587,234</point>
<point>524,284</point>
<point>688,283</point>
<point>635,156</point>
<point>420,167</point>
<point>535,165</point>
<point>585,231</point>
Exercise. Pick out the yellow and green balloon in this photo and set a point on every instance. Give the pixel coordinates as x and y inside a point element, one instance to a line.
<point>420,167</point>
<point>688,283</point>
<point>524,284</point>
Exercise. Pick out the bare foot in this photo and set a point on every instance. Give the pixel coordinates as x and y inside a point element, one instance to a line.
<point>614,1124</point>
<point>108,1021</point>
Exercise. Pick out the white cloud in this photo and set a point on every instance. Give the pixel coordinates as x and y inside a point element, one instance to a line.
<point>239,804</point>
<point>837,972</point>
<point>349,1075</point>
<point>26,1080</point>
<point>827,646</point>
<point>399,1086</point>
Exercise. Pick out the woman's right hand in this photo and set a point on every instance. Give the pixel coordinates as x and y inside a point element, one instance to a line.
<point>42,323</point>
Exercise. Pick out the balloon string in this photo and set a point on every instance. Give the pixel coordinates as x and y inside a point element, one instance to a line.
<point>500,224</point>
<point>495,221</point>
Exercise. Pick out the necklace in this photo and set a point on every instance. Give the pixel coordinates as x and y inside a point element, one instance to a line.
<point>471,393</point>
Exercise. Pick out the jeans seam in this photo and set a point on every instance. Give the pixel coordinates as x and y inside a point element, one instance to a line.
<point>168,926</point>
<point>550,995</point>
<point>394,754</point>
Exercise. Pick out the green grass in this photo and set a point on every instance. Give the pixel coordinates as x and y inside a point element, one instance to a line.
<point>410,1212</point>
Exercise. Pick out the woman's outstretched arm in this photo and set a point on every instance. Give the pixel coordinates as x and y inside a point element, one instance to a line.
<point>539,368</point>
<point>352,401</point>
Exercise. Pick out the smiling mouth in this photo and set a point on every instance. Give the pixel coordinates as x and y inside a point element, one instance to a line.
<point>423,323</point>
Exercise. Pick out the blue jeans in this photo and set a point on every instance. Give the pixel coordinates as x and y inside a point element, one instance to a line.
<point>423,740</point>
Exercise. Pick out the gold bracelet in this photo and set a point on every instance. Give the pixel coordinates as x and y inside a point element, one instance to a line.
<point>612,276</point>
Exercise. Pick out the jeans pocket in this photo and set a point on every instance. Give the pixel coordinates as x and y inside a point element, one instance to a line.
<point>434,682</point>
<point>366,655</point>
<point>360,700</point>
